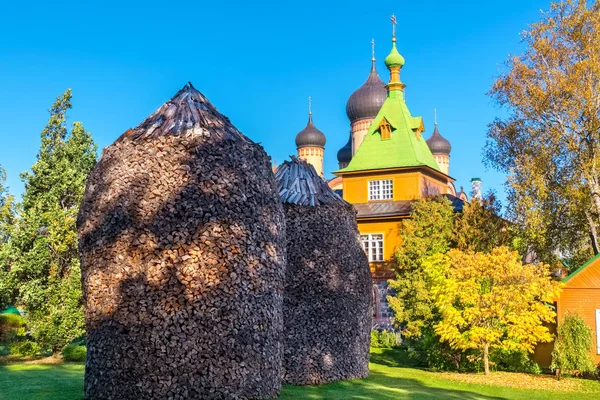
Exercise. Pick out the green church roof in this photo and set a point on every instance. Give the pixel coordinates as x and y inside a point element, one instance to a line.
<point>11,310</point>
<point>405,148</point>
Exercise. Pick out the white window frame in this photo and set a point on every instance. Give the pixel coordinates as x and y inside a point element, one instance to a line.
<point>597,331</point>
<point>370,243</point>
<point>381,189</point>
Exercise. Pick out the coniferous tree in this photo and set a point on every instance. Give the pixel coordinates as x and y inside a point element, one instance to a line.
<point>7,219</point>
<point>46,264</point>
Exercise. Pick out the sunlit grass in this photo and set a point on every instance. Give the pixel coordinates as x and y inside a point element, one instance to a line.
<point>388,380</point>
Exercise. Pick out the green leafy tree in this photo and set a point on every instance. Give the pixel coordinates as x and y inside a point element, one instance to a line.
<point>480,227</point>
<point>548,143</point>
<point>7,220</point>
<point>427,232</point>
<point>491,300</point>
<point>572,347</point>
<point>46,263</point>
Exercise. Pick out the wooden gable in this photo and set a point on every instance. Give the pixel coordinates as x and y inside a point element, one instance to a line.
<point>586,277</point>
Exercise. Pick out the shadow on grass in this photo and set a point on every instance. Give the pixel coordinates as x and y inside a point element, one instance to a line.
<point>379,386</point>
<point>36,381</point>
<point>402,381</point>
<point>392,358</point>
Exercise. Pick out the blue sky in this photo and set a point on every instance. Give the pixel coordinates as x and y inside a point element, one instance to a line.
<point>257,62</point>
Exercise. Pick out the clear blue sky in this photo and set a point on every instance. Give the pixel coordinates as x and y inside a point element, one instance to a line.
<point>257,62</point>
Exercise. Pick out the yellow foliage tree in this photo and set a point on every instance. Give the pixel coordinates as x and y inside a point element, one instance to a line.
<point>548,141</point>
<point>491,300</point>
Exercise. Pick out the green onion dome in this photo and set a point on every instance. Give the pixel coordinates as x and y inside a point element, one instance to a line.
<point>394,59</point>
<point>310,136</point>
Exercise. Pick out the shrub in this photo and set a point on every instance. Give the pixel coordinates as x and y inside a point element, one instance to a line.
<point>387,339</point>
<point>25,348</point>
<point>9,324</point>
<point>572,347</point>
<point>514,361</point>
<point>74,352</point>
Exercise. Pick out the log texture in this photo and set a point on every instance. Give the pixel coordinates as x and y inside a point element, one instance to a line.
<point>182,246</point>
<point>327,304</point>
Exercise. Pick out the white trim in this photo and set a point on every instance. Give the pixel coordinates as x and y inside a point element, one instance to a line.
<point>598,331</point>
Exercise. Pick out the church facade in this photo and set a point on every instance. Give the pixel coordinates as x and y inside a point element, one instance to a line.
<point>385,166</point>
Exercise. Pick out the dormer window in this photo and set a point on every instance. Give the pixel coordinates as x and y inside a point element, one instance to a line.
<point>381,189</point>
<point>385,129</point>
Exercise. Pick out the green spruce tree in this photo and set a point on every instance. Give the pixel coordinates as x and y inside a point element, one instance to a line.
<point>45,242</point>
<point>7,220</point>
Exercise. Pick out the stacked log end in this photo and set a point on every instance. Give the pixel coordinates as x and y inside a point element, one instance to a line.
<point>182,246</point>
<point>327,300</point>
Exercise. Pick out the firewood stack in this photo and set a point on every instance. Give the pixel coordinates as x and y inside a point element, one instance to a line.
<point>182,244</point>
<point>327,304</point>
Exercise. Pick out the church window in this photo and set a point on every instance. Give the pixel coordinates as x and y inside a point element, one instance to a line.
<point>373,246</point>
<point>381,189</point>
<point>385,129</point>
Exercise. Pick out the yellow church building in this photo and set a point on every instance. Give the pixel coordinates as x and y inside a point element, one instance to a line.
<point>384,167</point>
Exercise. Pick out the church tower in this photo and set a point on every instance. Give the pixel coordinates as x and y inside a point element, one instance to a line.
<point>440,148</point>
<point>310,143</point>
<point>363,106</point>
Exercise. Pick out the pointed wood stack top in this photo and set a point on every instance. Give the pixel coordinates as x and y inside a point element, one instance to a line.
<point>298,183</point>
<point>188,114</point>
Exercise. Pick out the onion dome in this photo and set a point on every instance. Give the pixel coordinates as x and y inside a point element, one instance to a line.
<point>366,101</point>
<point>437,144</point>
<point>310,136</point>
<point>394,59</point>
<point>344,155</point>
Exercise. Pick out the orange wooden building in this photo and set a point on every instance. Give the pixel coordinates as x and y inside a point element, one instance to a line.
<point>581,295</point>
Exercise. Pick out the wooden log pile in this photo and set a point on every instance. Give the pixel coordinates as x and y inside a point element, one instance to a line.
<point>182,246</point>
<point>327,303</point>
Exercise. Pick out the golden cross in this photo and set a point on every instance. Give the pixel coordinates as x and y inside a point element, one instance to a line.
<point>373,49</point>
<point>394,23</point>
<point>309,105</point>
<point>435,116</point>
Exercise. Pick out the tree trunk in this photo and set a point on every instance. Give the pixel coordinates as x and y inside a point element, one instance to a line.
<point>593,233</point>
<point>486,361</point>
<point>595,191</point>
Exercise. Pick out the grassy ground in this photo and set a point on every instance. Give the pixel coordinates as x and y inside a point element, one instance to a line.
<point>388,380</point>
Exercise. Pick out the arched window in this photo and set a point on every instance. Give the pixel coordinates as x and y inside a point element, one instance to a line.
<point>376,303</point>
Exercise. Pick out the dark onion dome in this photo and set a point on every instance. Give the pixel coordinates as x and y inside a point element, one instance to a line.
<point>310,136</point>
<point>344,155</point>
<point>437,144</point>
<point>366,101</point>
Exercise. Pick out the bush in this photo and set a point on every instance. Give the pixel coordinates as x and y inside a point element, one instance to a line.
<point>513,361</point>
<point>9,324</point>
<point>572,347</point>
<point>25,348</point>
<point>74,352</point>
<point>387,339</point>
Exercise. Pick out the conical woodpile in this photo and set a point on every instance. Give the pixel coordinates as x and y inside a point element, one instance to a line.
<point>182,243</point>
<point>327,299</point>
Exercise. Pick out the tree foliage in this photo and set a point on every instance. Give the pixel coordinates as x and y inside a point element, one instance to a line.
<point>549,142</point>
<point>480,227</point>
<point>572,346</point>
<point>491,300</point>
<point>7,220</point>
<point>427,232</point>
<point>45,262</point>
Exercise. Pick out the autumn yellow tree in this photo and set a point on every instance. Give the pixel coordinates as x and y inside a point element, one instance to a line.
<point>491,300</point>
<point>548,143</point>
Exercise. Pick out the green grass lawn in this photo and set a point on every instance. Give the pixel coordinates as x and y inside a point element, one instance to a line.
<point>388,380</point>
